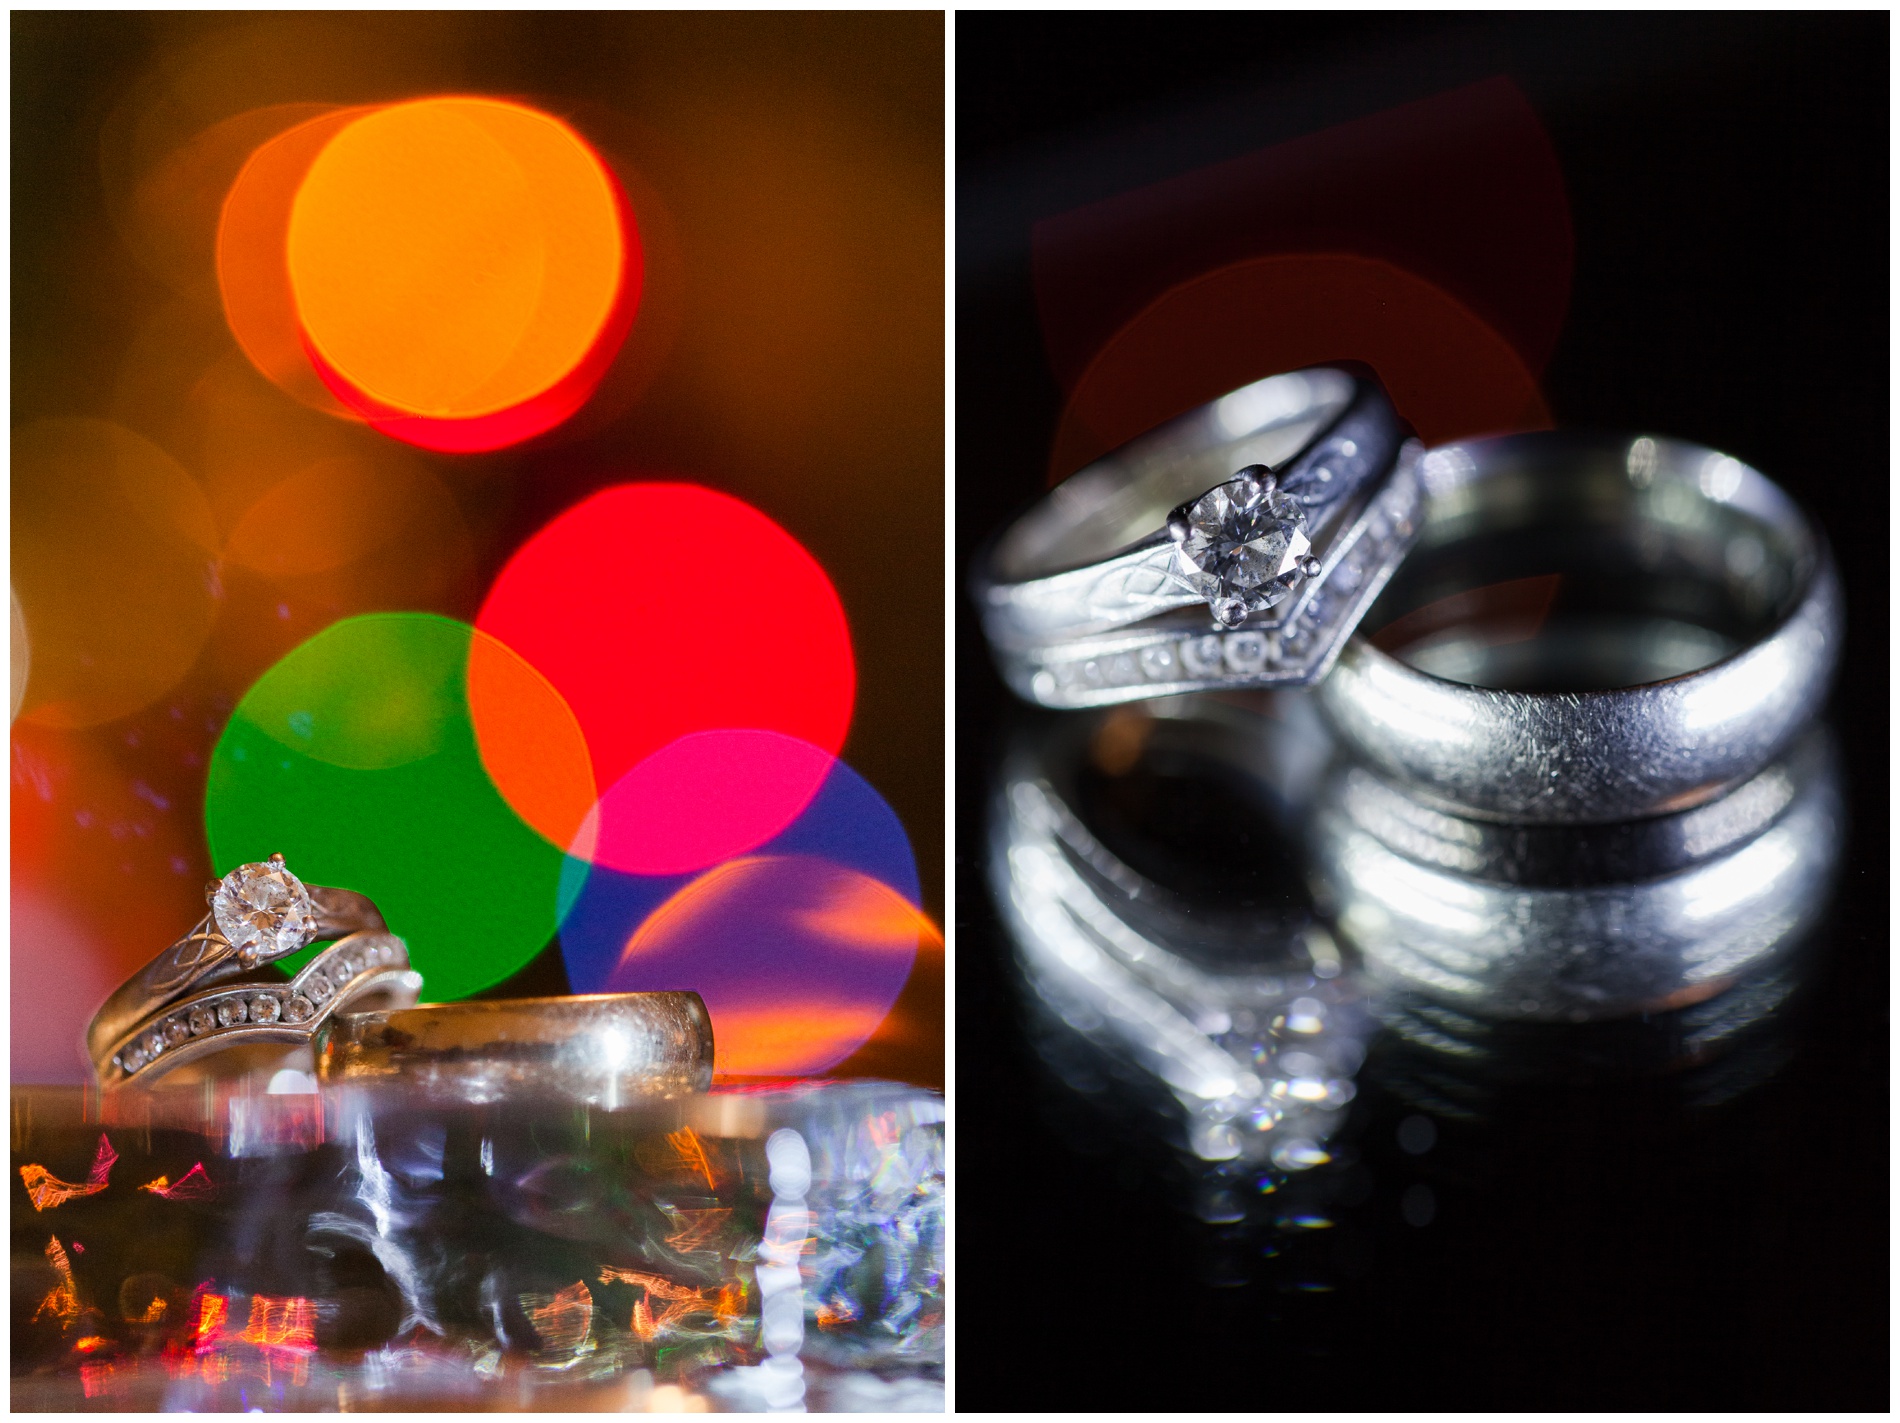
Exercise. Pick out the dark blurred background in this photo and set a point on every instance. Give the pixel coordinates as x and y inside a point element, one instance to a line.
<point>1596,1244</point>
<point>786,172</point>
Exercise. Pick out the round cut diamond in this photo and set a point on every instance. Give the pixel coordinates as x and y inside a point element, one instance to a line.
<point>341,967</point>
<point>264,910</point>
<point>230,1011</point>
<point>298,1009</point>
<point>175,1031</point>
<point>1243,547</point>
<point>202,1020</point>
<point>264,1009</point>
<point>318,988</point>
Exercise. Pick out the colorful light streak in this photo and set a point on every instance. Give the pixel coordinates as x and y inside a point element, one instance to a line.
<point>725,1303</point>
<point>288,1322</point>
<point>62,1301</point>
<point>698,1229</point>
<point>213,1311</point>
<point>691,1151</point>
<point>47,1191</point>
<point>194,1185</point>
<point>562,1320</point>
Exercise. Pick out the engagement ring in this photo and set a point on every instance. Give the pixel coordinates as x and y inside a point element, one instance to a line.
<point>1234,547</point>
<point>258,913</point>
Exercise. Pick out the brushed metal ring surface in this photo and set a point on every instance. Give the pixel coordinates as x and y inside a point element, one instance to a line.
<point>1623,752</point>
<point>1537,952</point>
<point>1133,579</point>
<point>602,1049</point>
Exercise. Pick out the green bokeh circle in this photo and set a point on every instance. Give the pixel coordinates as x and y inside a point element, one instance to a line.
<point>355,757</point>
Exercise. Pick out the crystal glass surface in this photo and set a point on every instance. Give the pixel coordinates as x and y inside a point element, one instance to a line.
<point>747,1248</point>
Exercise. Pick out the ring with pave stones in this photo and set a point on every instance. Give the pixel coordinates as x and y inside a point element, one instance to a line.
<point>1236,546</point>
<point>258,913</point>
<point>370,966</point>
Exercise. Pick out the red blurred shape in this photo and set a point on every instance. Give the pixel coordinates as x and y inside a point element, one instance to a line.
<point>1463,189</point>
<point>1448,372</point>
<point>531,746</point>
<point>630,605</point>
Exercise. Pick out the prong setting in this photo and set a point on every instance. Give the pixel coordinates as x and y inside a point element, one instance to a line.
<point>1242,546</point>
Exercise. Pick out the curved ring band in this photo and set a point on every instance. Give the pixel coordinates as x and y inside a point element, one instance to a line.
<point>1595,629</point>
<point>354,969</point>
<point>1102,591</point>
<point>1522,947</point>
<point>603,1049</point>
<point>259,913</point>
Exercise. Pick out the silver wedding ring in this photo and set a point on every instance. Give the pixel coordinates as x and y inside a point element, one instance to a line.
<point>1580,923</point>
<point>1591,629</point>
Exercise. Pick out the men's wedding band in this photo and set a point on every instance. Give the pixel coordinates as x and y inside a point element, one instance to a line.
<point>602,1049</point>
<point>1590,629</point>
<point>1705,898</point>
<point>1236,546</point>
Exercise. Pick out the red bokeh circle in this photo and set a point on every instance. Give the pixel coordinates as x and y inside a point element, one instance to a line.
<point>666,612</point>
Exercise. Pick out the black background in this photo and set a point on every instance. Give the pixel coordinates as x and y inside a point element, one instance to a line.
<point>1596,1245</point>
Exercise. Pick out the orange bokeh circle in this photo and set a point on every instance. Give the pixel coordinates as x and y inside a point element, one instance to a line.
<point>1448,372</point>
<point>457,272</point>
<point>459,261</point>
<point>253,281</point>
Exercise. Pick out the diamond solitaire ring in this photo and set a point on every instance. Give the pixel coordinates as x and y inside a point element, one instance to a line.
<point>1233,547</point>
<point>258,913</point>
<point>1590,629</point>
